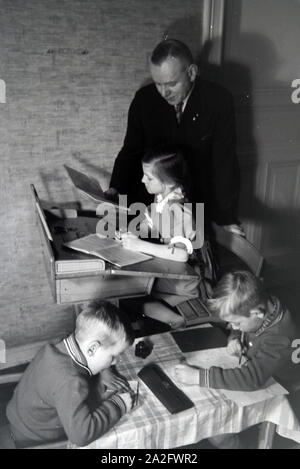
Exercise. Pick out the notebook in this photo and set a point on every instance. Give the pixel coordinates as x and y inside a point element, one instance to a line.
<point>108,249</point>
<point>164,389</point>
<point>90,187</point>
<point>67,230</point>
<point>200,338</point>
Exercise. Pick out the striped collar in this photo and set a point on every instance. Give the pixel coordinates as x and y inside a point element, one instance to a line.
<point>272,317</point>
<point>75,353</point>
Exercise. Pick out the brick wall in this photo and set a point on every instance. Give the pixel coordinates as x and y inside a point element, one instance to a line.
<point>71,68</point>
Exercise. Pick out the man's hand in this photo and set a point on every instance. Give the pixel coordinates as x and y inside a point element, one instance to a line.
<point>236,229</point>
<point>234,347</point>
<point>187,374</point>
<point>111,194</point>
<point>114,382</point>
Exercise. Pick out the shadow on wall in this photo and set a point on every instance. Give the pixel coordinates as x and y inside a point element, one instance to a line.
<point>187,30</point>
<point>258,69</point>
<point>101,173</point>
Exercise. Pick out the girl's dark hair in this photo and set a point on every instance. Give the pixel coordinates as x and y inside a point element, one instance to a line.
<point>169,166</point>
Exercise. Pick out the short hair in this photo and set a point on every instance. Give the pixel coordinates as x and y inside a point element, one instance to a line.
<point>169,165</point>
<point>105,322</point>
<point>171,48</point>
<point>236,294</point>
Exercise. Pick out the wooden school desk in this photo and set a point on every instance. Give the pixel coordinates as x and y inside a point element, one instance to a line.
<point>151,426</point>
<point>76,277</point>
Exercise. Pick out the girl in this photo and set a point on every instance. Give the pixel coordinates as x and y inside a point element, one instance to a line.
<point>169,224</point>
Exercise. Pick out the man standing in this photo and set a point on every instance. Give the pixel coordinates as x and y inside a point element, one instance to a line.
<point>183,110</point>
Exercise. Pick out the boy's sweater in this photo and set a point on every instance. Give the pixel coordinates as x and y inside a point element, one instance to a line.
<point>52,400</point>
<point>269,355</point>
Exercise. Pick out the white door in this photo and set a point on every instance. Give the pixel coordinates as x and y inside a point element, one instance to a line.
<point>255,50</point>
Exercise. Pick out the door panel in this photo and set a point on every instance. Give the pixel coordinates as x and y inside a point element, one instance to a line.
<point>260,42</point>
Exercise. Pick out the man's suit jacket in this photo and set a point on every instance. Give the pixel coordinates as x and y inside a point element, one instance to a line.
<point>206,134</point>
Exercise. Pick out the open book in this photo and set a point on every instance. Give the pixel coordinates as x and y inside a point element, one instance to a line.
<point>90,187</point>
<point>108,249</point>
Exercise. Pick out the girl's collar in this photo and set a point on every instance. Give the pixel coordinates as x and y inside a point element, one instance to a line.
<point>161,201</point>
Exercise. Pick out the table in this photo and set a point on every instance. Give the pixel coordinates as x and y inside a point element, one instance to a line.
<point>79,284</point>
<point>151,426</point>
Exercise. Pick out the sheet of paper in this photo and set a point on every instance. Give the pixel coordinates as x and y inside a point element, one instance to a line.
<point>220,357</point>
<point>107,249</point>
<point>243,398</point>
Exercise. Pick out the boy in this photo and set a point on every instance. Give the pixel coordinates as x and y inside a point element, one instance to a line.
<point>263,334</point>
<point>60,395</point>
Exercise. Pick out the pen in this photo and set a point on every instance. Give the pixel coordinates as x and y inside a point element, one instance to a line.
<point>137,393</point>
<point>242,349</point>
<point>149,219</point>
<point>171,246</point>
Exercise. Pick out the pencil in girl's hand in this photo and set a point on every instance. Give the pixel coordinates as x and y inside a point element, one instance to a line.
<point>149,219</point>
<point>242,347</point>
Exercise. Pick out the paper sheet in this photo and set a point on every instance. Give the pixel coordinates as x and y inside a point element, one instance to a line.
<point>220,357</point>
<point>243,398</point>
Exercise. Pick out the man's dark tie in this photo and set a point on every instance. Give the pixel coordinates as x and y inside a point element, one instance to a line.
<point>178,110</point>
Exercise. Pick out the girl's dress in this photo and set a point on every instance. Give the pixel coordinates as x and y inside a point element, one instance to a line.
<point>169,217</point>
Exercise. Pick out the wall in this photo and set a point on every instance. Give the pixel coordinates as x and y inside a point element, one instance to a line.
<point>71,68</point>
<point>261,60</point>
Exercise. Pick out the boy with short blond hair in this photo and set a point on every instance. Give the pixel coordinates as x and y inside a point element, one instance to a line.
<point>263,334</point>
<point>63,392</point>
<point>268,332</point>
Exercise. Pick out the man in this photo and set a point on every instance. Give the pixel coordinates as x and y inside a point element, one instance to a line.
<point>181,109</point>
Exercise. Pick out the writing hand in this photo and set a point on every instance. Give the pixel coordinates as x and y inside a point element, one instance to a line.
<point>130,241</point>
<point>234,347</point>
<point>187,374</point>
<point>114,382</point>
<point>128,399</point>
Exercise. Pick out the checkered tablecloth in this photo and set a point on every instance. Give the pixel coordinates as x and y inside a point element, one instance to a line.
<point>151,426</point>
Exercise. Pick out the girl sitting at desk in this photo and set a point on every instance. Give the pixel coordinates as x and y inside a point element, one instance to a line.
<point>170,226</point>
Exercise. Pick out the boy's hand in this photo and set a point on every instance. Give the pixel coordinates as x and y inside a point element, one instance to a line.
<point>134,391</point>
<point>128,399</point>
<point>187,374</point>
<point>234,347</point>
<point>114,382</point>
